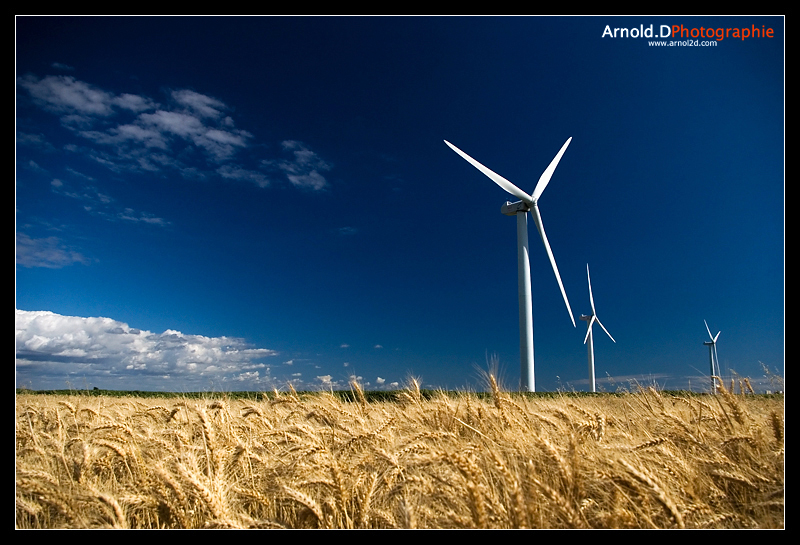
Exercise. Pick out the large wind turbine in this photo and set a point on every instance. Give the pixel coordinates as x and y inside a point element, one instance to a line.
<point>712,356</point>
<point>528,203</point>
<point>591,319</point>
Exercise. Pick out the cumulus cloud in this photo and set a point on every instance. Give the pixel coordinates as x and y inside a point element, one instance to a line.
<point>51,348</point>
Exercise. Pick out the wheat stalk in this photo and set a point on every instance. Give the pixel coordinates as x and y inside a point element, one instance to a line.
<point>645,477</point>
<point>447,461</point>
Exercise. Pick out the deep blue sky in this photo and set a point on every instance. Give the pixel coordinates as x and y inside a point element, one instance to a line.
<point>251,201</point>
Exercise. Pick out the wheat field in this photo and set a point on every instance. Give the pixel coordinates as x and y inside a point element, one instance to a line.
<point>646,459</point>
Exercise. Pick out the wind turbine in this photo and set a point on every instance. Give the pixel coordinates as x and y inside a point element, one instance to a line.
<point>591,319</point>
<point>520,209</point>
<point>712,356</point>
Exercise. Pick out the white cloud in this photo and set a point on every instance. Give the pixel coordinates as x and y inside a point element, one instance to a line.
<point>34,141</point>
<point>312,180</point>
<point>129,214</point>
<point>78,174</point>
<point>191,117</point>
<point>46,252</point>
<point>251,377</point>
<point>34,166</point>
<point>204,105</point>
<point>134,103</point>
<point>68,96</point>
<point>103,205</point>
<point>219,143</point>
<point>130,132</point>
<point>55,346</point>
<point>380,380</point>
<point>237,173</point>
<point>173,124</point>
<point>304,168</point>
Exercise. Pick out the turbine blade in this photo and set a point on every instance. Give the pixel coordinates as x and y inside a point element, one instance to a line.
<point>709,331</point>
<point>717,337</point>
<point>496,178</point>
<point>544,179</point>
<point>591,299</point>
<point>604,329</point>
<point>537,218</point>
<point>589,329</point>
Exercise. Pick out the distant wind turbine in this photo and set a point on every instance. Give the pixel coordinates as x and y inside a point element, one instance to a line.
<point>520,209</point>
<point>712,356</point>
<point>591,319</point>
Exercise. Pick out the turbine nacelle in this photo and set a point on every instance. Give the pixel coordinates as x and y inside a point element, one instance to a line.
<point>513,208</point>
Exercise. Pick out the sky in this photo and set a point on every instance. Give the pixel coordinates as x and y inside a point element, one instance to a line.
<point>244,203</point>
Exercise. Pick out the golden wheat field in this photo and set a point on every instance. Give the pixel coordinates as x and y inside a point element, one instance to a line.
<point>646,459</point>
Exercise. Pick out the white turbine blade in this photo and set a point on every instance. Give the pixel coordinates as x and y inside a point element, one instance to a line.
<point>591,299</point>
<point>717,337</point>
<point>537,218</point>
<point>604,329</point>
<point>544,179</point>
<point>589,329</point>
<point>709,331</point>
<point>496,178</point>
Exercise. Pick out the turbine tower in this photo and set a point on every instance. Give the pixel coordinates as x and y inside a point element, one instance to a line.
<point>591,319</point>
<point>520,209</point>
<point>712,356</point>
